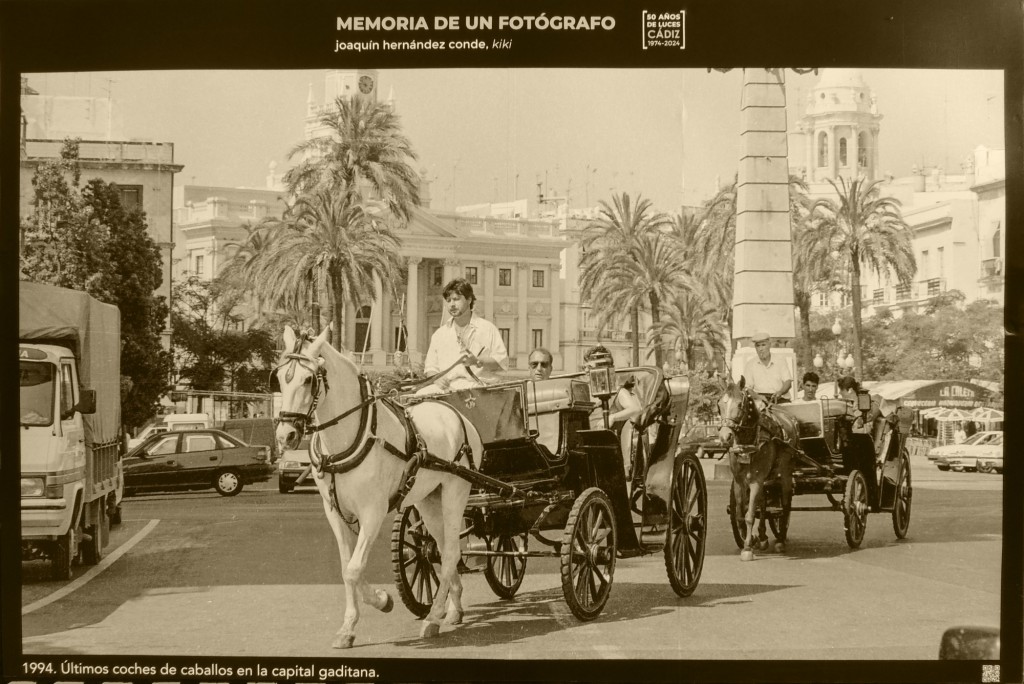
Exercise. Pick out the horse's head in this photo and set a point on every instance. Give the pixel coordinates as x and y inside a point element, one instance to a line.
<point>739,410</point>
<point>299,377</point>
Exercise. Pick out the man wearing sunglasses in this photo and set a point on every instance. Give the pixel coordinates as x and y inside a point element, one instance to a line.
<point>540,364</point>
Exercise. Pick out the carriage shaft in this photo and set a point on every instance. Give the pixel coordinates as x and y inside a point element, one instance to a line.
<point>514,554</point>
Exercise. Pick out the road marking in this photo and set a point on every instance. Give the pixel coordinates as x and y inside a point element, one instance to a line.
<point>97,569</point>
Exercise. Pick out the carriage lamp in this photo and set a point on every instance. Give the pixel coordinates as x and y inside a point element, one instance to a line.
<point>601,376</point>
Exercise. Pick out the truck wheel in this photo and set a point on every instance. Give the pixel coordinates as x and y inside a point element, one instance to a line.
<point>63,554</point>
<point>227,482</point>
<point>283,488</point>
<point>99,533</point>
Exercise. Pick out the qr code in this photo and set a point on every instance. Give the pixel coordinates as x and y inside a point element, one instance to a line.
<point>989,673</point>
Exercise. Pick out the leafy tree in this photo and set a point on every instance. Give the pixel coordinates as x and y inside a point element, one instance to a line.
<point>84,239</point>
<point>364,148</point>
<point>324,235</point>
<point>209,352</point>
<point>609,240</point>
<point>692,323</point>
<point>865,230</point>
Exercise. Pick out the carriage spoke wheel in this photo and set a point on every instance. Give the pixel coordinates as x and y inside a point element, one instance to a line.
<point>415,562</point>
<point>737,519</point>
<point>687,526</point>
<point>901,503</point>
<point>780,525</point>
<point>588,554</point>
<point>855,508</point>
<point>505,574</point>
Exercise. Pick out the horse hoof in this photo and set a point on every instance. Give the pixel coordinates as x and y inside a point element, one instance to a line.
<point>388,604</point>
<point>429,630</point>
<point>780,547</point>
<point>454,618</point>
<point>746,555</point>
<point>344,641</point>
<point>762,545</point>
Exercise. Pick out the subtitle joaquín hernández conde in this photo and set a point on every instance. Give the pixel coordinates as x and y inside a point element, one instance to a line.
<point>370,45</point>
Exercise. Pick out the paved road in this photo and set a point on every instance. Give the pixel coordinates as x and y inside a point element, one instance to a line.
<point>258,575</point>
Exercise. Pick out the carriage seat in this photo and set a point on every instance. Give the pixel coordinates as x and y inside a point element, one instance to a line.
<point>815,418</point>
<point>554,394</point>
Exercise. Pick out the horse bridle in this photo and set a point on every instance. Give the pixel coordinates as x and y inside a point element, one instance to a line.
<point>737,425</point>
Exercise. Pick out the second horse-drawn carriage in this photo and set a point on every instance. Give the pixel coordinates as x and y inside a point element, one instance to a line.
<point>860,463</point>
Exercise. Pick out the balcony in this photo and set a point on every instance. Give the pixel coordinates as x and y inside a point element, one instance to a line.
<point>902,293</point>
<point>122,151</point>
<point>991,268</point>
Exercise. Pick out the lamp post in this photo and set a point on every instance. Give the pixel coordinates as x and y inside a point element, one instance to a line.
<point>601,376</point>
<point>842,359</point>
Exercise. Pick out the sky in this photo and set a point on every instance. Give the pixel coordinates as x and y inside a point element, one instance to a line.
<point>491,135</point>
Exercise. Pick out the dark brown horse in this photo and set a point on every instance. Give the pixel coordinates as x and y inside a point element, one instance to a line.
<point>762,442</point>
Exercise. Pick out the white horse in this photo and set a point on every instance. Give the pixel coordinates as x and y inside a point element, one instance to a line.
<point>319,382</point>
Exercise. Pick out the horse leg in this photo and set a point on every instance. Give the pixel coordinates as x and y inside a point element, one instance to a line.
<point>748,544</point>
<point>786,475</point>
<point>370,521</point>
<point>346,635</point>
<point>762,534</point>
<point>431,511</point>
<point>453,506</point>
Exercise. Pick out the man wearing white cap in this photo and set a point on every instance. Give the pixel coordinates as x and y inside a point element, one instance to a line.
<point>766,376</point>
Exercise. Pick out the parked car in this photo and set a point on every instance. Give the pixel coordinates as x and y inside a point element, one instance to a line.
<point>195,459</point>
<point>254,431</point>
<point>294,469</point>
<point>977,438</point>
<point>706,437</point>
<point>172,421</point>
<point>967,456</point>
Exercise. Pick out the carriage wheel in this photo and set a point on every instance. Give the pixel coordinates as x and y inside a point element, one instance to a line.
<point>588,554</point>
<point>855,508</point>
<point>415,562</point>
<point>505,574</point>
<point>686,536</point>
<point>901,503</point>
<point>737,519</point>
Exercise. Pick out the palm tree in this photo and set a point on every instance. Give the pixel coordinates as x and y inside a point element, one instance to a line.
<point>865,229</point>
<point>645,275</point>
<point>324,234</point>
<point>232,283</point>
<point>364,150</point>
<point>692,322</point>
<point>609,239</point>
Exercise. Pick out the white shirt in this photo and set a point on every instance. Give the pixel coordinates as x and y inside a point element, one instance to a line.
<point>446,347</point>
<point>766,378</point>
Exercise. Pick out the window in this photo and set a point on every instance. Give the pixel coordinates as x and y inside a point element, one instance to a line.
<point>924,272</point>
<point>505,338</point>
<point>401,335</point>
<point>471,275</point>
<point>200,443</point>
<point>842,151</point>
<point>862,149</point>
<point>505,277</point>
<point>438,275</point>
<point>822,147</point>
<point>996,235</point>
<point>538,337</point>
<point>131,196</point>
<point>362,328</point>
<point>538,278</point>
<point>67,390</point>
<point>199,264</point>
<point>167,445</point>
<point>942,265</point>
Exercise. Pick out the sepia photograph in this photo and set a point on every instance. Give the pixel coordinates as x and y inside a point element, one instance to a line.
<point>407,356</point>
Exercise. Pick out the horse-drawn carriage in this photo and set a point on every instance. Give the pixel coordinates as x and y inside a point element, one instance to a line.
<point>553,477</point>
<point>504,464</point>
<point>819,447</point>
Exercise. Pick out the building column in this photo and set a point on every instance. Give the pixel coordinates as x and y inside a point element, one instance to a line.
<point>810,158</point>
<point>452,269</point>
<point>523,327</point>
<point>555,338</point>
<point>489,275</point>
<point>377,354</point>
<point>412,310</point>
<point>348,334</point>
<point>833,152</point>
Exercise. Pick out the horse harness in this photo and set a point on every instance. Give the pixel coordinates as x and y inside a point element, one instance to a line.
<point>415,454</point>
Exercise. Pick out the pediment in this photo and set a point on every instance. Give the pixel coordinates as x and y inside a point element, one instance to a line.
<point>422,222</point>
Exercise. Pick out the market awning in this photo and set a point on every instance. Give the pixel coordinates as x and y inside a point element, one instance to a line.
<point>924,394</point>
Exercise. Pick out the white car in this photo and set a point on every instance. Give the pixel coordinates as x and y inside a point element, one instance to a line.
<point>294,469</point>
<point>968,455</point>
<point>977,438</point>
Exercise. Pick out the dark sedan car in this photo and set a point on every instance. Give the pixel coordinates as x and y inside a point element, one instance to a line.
<point>195,459</point>
<point>705,437</point>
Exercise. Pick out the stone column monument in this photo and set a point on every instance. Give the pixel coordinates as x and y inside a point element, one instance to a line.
<point>762,298</point>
